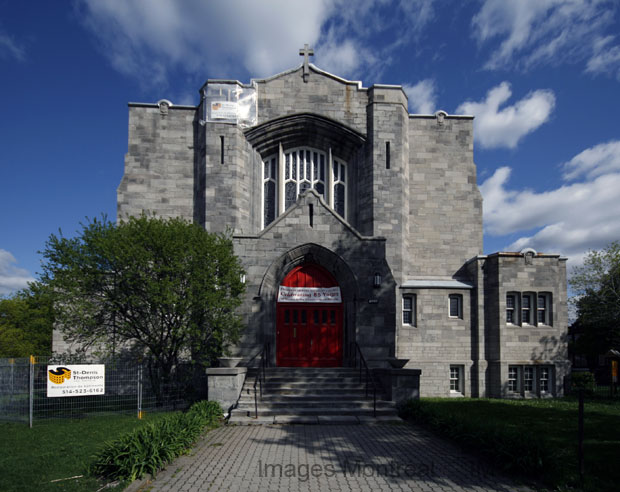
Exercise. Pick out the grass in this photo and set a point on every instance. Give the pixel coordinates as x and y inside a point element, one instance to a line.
<point>31,458</point>
<point>550,424</point>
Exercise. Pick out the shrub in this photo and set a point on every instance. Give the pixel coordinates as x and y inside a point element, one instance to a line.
<point>149,448</point>
<point>582,381</point>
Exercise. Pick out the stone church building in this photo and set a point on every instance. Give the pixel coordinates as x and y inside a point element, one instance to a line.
<point>356,223</point>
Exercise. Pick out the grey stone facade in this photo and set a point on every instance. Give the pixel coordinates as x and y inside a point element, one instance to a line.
<point>413,217</point>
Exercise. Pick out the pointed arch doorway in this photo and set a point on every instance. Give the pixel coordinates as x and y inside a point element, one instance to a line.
<point>309,319</point>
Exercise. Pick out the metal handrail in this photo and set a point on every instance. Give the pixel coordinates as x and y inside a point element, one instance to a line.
<point>369,378</point>
<point>261,376</point>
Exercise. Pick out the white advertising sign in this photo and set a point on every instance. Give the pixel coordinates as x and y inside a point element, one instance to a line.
<point>75,380</point>
<point>309,294</point>
<point>224,110</point>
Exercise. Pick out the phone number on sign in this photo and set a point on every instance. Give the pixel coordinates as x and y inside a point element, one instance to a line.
<point>79,391</point>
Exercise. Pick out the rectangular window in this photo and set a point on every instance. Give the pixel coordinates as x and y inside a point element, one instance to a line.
<point>543,308</point>
<point>456,379</point>
<point>455,305</point>
<point>543,380</point>
<point>511,307</point>
<point>526,309</point>
<point>513,379</point>
<point>528,378</point>
<point>409,305</point>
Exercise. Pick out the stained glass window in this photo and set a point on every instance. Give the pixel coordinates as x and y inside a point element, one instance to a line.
<point>291,194</point>
<point>269,190</point>
<point>303,169</point>
<point>339,199</point>
<point>270,202</point>
<point>340,190</point>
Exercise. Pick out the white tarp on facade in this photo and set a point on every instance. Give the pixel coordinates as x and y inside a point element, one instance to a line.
<point>229,102</point>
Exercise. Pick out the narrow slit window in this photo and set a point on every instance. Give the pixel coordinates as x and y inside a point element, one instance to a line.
<point>221,149</point>
<point>387,155</point>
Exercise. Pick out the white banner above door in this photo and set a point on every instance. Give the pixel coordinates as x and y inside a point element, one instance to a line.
<point>309,294</point>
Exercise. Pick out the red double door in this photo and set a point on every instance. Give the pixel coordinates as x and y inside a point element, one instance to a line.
<point>309,334</point>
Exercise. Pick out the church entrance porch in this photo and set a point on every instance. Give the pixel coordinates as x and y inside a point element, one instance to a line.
<point>309,318</point>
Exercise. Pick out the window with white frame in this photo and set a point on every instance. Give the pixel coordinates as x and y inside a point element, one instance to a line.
<point>409,309</point>
<point>527,303</point>
<point>543,308</point>
<point>512,308</point>
<point>528,379</point>
<point>304,168</point>
<point>534,308</point>
<point>456,379</point>
<point>455,305</point>
<point>544,376</point>
<point>514,379</point>
<point>301,169</point>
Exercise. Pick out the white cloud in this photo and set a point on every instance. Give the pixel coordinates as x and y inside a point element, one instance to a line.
<point>156,37</point>
<point>343,57</point>
<point>541,31</point>
<point>148,40</point>
<point>495,127</point>
<point>605,57</point>
<point>593,162</point>
<point>9,48</point>
<point>12,278</point>
<point>570,219</point>
<point>422,96</point>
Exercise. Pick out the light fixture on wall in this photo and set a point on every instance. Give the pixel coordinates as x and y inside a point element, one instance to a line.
<point>376,281</point>
<point>242,278</point>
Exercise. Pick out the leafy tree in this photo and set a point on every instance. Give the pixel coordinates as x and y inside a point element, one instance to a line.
<point>26,323</point>
<point>164,288</point>
<point>596,285</point>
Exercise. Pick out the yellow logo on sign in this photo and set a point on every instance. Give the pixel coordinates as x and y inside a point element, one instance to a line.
<point>59,375</point>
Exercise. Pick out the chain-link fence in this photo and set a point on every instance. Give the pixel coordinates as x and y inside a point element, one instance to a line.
<point>599,392</point>
<point>27,395</point>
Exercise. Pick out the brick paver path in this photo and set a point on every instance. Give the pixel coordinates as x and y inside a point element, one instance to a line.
<point>327,458</point>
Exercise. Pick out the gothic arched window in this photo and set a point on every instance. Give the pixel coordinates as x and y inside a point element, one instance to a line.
<point>290,173</point>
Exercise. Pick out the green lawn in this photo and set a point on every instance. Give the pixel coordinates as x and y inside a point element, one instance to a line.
<point>31,458</point>
<point>554,423</point>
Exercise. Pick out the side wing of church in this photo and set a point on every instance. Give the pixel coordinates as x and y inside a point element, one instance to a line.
<point>357,223</point>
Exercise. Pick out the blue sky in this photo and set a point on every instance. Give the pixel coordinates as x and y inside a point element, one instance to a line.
<point>542,78</point>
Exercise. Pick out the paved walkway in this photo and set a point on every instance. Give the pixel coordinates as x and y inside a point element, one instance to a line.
<point>382,457</point>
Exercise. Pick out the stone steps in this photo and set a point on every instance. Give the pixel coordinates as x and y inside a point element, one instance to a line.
<point>311,395</point>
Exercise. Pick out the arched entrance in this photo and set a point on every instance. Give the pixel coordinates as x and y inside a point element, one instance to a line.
<point>309,319</point>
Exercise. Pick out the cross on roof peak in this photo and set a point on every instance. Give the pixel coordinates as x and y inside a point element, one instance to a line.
<point>306,52</point>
